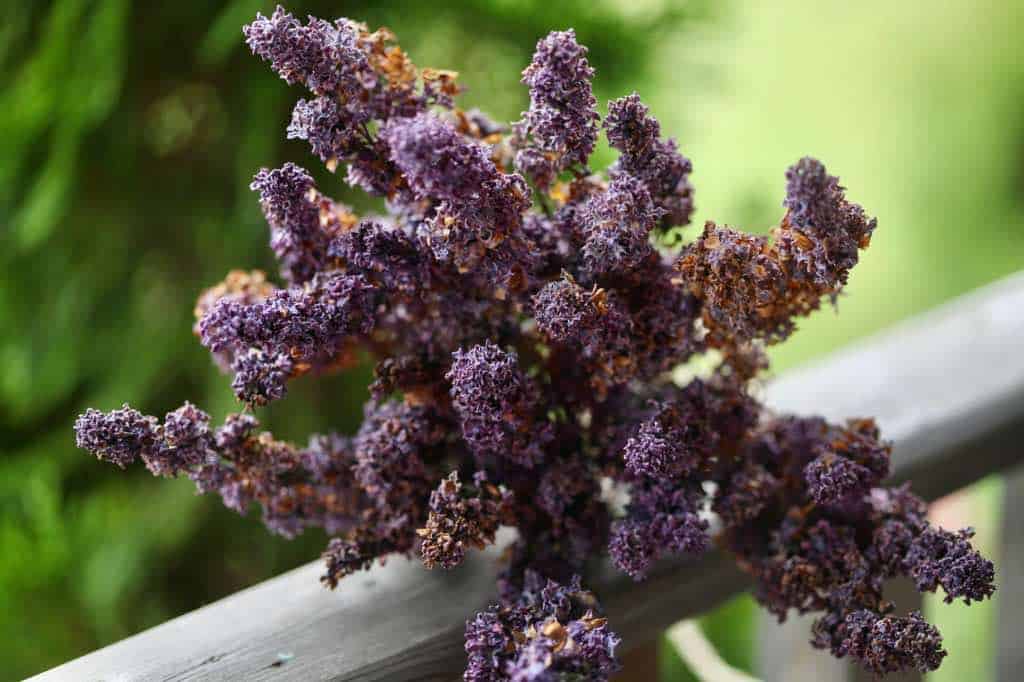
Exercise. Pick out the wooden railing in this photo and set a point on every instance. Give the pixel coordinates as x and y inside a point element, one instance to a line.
<point>948,387</point>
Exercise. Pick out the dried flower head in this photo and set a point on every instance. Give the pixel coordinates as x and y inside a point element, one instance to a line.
<point>559,129</point>
<point>523,341</point>
<point>552,631</point>
<point>462,517</point>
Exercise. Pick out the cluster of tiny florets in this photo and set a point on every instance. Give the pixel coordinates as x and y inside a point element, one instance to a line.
<point>549,632</point>
<point>655,161</point>
<point>462,518</point>
<point>559,130</point>
<point>524,314</point>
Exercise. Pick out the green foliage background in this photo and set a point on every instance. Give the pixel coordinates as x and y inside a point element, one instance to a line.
<point>128,135</point>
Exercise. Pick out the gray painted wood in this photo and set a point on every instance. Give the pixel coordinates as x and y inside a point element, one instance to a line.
<point>1010,578</point>
<point>947,387</point>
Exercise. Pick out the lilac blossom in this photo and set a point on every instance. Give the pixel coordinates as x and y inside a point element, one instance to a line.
<point>656,162</point>
<point>324,57</point>
<point>552,632</point>
<point>269,339</point>
<point>288,198</point>
<point>882,644</point>
<point>462,517</point>
<point>497,405</point>
<point>333,131</point>
<point>118,437</point>
<point>618,223</point>
<point>660,520</point>
<point>523,343</point>
<point>818,210</point>
<point>477,209</point>
<point>561,122</point>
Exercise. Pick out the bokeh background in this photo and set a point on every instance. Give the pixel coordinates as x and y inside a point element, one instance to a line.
<point>129,132</point>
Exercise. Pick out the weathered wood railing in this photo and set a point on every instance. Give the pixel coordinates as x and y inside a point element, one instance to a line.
<point>948,387</point>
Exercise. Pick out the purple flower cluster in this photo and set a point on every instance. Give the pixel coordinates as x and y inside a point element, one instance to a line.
<point>883,644</point>
<point>828,541</point>
<point>119,436</point>
<point>551,632</point>
<point>289,331</point>
<point>756,286</point>
<point>562,121</point>
<point>476,209</point>
<point>497,406</point>
<point>462,517</point>
<point>524,341</point>
<point>324,57</point>
<point>836,229</point>
<point>301,220</point>
<point>617,225</point>
<point>295,487</point>
<point>360,79</point>
<point>654,161</point>
<point>660,520</point>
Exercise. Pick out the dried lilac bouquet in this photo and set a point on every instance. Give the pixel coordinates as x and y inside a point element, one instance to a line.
<point>524,313</point>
